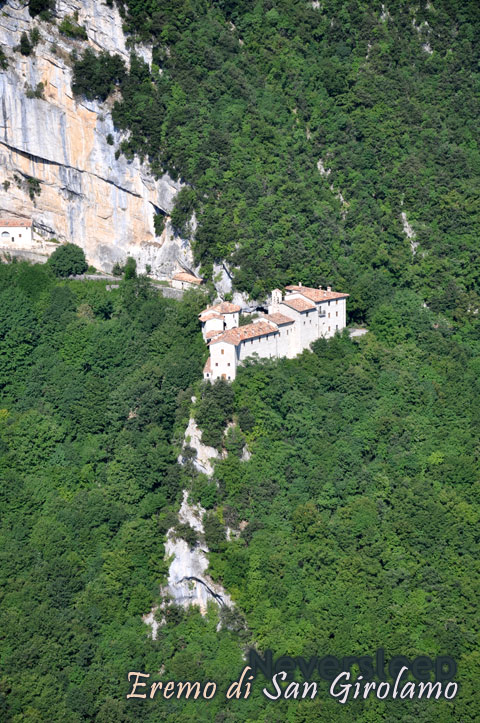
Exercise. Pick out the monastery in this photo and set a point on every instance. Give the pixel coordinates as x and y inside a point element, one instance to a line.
<point>293,322</point>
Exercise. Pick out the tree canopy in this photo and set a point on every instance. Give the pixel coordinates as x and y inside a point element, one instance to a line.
<point>67,260</point>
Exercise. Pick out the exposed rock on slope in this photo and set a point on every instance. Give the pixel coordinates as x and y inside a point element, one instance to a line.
<point>188,584</point>
<point>104,204</point>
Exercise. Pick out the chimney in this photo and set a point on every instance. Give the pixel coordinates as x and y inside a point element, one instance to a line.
<point>319,288</point>
<point>300,284</point>
<point>329,288</point>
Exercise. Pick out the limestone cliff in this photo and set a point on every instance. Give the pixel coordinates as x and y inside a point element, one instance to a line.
<point>81,192</point>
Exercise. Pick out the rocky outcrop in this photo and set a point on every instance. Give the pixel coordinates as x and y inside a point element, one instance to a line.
<point>409,233</point>
<point>188,583</point>
<point>204,455</point>
<point>86,195</point>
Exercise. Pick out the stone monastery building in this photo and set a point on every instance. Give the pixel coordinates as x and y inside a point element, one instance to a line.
<point>293,322</point>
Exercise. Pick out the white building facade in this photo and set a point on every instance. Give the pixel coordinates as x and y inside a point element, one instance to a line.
<point>15,233</point>
<point>293,322</point>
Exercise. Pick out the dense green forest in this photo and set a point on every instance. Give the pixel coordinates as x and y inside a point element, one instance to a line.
<point>359,504</point>
<point>243,100</point>
<point>303,131</point>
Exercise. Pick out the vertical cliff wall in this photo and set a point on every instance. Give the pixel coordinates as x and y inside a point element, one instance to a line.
<point>80,192</point>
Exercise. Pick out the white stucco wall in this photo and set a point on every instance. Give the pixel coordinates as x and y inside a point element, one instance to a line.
<point>18,236</point>
<point>264,346</point>
<point>232,320</point>
<point>215,324</point>
<point>223,359</point>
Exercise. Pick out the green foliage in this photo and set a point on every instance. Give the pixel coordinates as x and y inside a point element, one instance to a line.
<point>130,270</point>
<point>35,36</point>
<point>182,211</point>
<point>72,29</point>
<point>36,92</point>
<point>67,260</point>
<point>33,184</point>
<point>357,510</point>
<point>245,124</point>
<point>187,533</point>
<point>3,60</point>
<point>214,410</point>
<point>96,76</point>
<point>117,269</point>
<point>88,487</point>
<point>110,139</point>
<point>214,532</point>
<point>41,7</point>
<point>159,223</point>
<point>25,46</point>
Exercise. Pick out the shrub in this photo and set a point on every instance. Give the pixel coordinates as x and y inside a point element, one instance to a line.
<point>159,223</point>
<point>117,269</point>
<point>41,7</point>
<point>183,210</point>
<point>25,45</point>
<point>214,532</point>
<point>72,29</point>
<point>68,259</point>
<point>130,268</point>
<point>96,76</point>
<point>35,92</point>
<point>3,60</point>
<point>187,533</point>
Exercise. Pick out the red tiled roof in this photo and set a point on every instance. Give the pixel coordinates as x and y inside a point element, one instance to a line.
<point>208,367</point>
<point>299,304</point>
<point>279,319</point>
<point>22,222</point>
<point>190,278</point>
<point>241,333</point>
<point>214,332</point>
<point>316,294</point>
<point>225,307</point>
<point>207,315</point>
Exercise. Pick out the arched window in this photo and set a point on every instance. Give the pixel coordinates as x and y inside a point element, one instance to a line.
<point>5,236</point>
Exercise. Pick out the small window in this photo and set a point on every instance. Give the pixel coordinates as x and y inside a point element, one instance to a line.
<point>19,235</point>
<point>329,303</point>
<point>228,364</point>
<point>216,364</point>
<point>336,313</point>
<point>310,321</point>
<point>223,350</point>
<point>228,377</point>
<point>329,315</point>
<point>304,323</point>
<point>336,327</point>
<point>328,328</point>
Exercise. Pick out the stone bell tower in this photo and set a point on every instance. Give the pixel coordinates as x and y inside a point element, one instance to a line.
<point>276,301</point>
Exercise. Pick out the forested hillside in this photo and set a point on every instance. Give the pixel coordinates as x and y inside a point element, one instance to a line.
<point>359,505</point>
<point>303,131</point>
<point>251,102</point>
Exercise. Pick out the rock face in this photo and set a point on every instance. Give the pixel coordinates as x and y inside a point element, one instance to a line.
<point>187,582</point>
<point>104,204</point>
<point>204,453</point>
